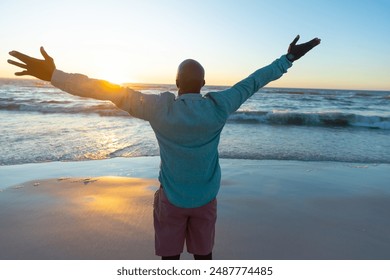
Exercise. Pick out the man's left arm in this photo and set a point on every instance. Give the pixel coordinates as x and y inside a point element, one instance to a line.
<point>136,103</point>
<point>124,98</point>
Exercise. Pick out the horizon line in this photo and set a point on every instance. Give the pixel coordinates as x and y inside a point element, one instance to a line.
<point>207,85</point>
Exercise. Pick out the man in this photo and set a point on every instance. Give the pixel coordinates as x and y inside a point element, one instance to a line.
<point>188,129</point>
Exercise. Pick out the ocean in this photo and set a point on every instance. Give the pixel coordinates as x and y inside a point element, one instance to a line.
<point>40,123</point>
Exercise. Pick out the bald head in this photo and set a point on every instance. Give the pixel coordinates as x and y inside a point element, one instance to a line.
<point>190,77</point>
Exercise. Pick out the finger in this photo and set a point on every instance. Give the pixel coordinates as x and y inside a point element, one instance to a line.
<point>295,41</point>
<point>44,54</point>
<point>22,57</point>
<point>17,64</point>
<point>309,45</point>
<point>23,73</point>
<point>315,42</point>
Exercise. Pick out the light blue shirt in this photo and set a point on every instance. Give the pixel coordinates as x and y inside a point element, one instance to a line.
<point>187,127</point>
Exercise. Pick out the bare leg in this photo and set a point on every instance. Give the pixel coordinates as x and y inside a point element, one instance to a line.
<point>204,257</point>
<point>177,257</point>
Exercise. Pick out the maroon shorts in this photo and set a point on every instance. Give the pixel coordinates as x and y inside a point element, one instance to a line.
<point>174,225</point>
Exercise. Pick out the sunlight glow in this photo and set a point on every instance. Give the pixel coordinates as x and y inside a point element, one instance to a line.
<point>116,74</point>
<point>122,201</point>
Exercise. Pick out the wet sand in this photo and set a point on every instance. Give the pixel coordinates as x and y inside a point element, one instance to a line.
<point>266,210</point>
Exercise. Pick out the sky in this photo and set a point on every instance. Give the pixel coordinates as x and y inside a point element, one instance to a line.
<point>144,41</point>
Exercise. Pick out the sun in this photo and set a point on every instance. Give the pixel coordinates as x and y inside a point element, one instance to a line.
<point>114,71</point>
<point>116,76</point>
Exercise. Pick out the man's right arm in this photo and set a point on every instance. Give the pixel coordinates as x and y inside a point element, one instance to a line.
<point>231,99</point>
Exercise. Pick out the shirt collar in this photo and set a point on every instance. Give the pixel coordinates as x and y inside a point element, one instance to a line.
<point>190,96</point>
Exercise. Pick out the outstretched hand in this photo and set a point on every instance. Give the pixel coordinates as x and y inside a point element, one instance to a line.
<point>40,68</point>
<point>295,51</point>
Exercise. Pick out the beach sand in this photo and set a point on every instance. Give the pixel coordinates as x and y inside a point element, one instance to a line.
<point>266,210</point>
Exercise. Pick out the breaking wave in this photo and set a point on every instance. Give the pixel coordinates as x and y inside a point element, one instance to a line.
<point>310,119</point>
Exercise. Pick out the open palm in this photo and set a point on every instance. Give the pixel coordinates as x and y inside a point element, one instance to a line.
<point>40,68</point>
